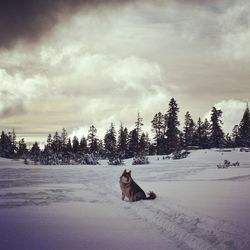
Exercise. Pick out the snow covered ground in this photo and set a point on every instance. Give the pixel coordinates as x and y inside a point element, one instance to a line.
<point>79,207</point>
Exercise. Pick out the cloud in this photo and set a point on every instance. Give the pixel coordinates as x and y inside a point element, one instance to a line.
<point>29,20</point>
<point>108,88</point>
<point>128,85</point>
<point>100,63</point>
<point>17,92</point>
<point>232,113</point>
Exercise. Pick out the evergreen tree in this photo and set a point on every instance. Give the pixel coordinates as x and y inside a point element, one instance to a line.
<point>49,141</point>
<point>172,131</point>
<point>134,138</point>
<point>64,147</point>
<point>110,142</point>
<point>83,149</point>
<point>56,143</point>
<point>94,149</point>
<point>217,135</point>
<point>122,143</point>
<point>144,144</point>
<point>69,146</point>
<point>244,129</point>
<point>75,145</point>
<point>35,152</point>
<point>147,144</point>
<point>47,154</point>
<point>64,137</point>
<point>92,140</point>
<point>235,136</point>
<point>22,151</point>
<point>205,138</point>
<point>159,124</point>
<point>101,150</point>
<point>138,124</point>
<point>13,144</point>
<point>189,130</point>
<point>2,144</point>
<point>198,135</point>
<point>228,141</point>
<point>182,140</point>
<point>133,149</point>
<point>5,146</point>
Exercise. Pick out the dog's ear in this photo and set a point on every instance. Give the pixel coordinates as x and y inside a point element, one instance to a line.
<point>124,172</point>
<point>129,172</point>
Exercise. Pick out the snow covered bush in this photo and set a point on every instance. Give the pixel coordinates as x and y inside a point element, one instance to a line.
<point>140,160</point>
<point>90,159</point>
<point>227,164</point>
<point>115,161</point>
<point>180,155</point>
<point>71,159</point>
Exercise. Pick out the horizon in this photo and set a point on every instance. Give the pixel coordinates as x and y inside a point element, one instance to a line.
<point>83,131</point>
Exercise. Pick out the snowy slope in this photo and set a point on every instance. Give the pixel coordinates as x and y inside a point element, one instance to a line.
<point>79,207</point>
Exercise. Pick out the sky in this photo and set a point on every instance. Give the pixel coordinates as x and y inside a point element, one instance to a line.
<point>71,64</point>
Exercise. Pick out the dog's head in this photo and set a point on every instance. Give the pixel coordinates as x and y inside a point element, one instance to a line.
<point>126,177</point>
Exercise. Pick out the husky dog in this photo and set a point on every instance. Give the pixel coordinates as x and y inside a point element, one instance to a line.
<point>131,190</point>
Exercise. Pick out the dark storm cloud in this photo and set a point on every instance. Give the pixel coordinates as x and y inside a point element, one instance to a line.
<point>28,20</point>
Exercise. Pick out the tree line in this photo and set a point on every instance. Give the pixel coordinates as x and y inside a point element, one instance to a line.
<point>118,145</point>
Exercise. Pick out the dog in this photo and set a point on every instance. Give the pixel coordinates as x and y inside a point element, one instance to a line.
<point>131,190</point>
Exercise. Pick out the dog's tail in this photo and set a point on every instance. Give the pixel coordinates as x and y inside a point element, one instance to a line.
<point>151,196</point>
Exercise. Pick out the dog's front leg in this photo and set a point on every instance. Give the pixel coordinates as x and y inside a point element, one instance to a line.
<point>123,196</point>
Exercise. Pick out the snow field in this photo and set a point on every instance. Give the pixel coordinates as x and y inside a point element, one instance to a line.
<point>80,207</point>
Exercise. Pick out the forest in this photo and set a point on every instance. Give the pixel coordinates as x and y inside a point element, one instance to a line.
<point>168,138</point>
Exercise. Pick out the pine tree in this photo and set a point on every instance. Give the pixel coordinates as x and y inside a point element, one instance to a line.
<point>56,143</point>
<point>69,146</point>
<point>47,154</point>
<point>92,140</point>
<point>198,134</point>
<point>144,144</point>
<point>172,131</point>
<point>228,141</point>
<point>101,150</point>
<point>205,128</point>
<point>49,141</point>
<point>83,149</point>
<point>75,145</point>
<point>64,151</point>
<point>5,145</point>
<point>159,124</point>
<point>64,137</point>
<point>110,142</point>
<point>13,144</point>
<point>235,136</point>
<point>147,144</point>
<point>138,124</point>
<point>2,144</point>
<point>244,129</point>
<point>133,149</point>
<point>122,143</point>
<point>35,152</point>
<point>189,130</point>
<point>217,135</point>
<point>134,138</point>
<point>22,151</point>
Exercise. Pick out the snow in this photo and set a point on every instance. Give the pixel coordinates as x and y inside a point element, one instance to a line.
<point>198,206</point>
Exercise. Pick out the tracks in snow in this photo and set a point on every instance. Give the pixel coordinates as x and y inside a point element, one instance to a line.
<point>193,230</point>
